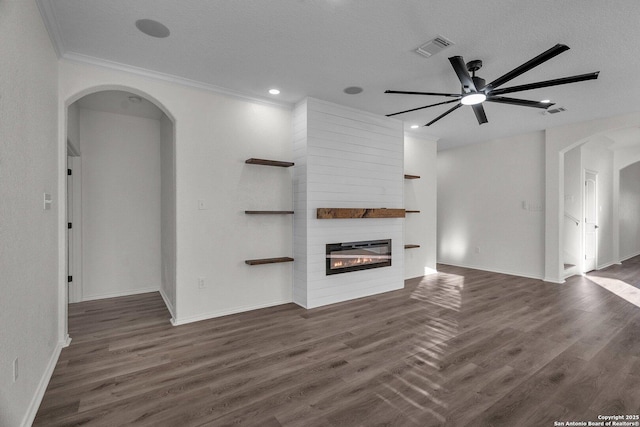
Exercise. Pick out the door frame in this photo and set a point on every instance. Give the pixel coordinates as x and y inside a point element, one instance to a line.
<point>74,216</point>
<point>583,258</point>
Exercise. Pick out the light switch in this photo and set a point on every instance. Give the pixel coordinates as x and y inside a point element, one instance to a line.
<point>46,205</point>
<point>202,205</point>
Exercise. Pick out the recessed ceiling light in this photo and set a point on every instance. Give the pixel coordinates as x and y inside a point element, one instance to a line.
<point>274,91</point>
<point>352,90</point>
<point>545,101</point>
<point>414,126</point>
<point>153,28</point>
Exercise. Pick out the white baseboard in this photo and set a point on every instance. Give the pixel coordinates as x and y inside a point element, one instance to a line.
<point>27,421</point>
<point>605,265</point>
<point>510,273</point>
<point>300,303</point>
<point>168,304</point>
<point>626,257</point>
<point>206,316</point>
<point>120,293</point>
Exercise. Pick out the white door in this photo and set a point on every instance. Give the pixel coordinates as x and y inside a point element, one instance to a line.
<point>590,220</point>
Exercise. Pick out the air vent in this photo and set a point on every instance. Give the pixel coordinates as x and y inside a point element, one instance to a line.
<point>434,46</point>
<point>555,110</point>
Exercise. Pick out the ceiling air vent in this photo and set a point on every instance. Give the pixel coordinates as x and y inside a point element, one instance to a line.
<point>555,110</point>
<point>434,46</point>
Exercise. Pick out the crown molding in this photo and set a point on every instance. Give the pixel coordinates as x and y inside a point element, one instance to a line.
<point>156,75</point>
<point>51,24</point>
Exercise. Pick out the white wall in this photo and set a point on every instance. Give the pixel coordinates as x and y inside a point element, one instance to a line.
<point>623,156</point>
<point>352,159</point>
<point>598,158</point>
<point>630,211</point>
<point>73,127</point>
<point>573,189</point>
<point>28,234</point>
<point>215,134</point>
<point>120,204</point>
<point>490,206</point>
<point>420,158</point>
<point>168,213</point>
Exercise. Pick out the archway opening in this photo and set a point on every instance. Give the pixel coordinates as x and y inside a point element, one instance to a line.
<point>121,147</point>
<point>608,153</point>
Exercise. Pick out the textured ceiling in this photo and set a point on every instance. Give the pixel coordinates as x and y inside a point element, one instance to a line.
<point>319,47</point>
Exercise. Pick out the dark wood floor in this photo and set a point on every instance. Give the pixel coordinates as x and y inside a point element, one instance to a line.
<point>628,272</point>
<point>459,348</point>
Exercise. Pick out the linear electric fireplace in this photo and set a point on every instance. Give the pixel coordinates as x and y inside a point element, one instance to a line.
<point>353,256</point>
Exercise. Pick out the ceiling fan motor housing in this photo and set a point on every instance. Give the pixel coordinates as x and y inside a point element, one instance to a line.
<point>479,82</point>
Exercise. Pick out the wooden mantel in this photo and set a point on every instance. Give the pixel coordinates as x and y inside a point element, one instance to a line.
<point>341,213</point>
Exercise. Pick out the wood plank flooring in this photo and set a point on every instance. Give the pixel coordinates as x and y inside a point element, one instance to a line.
<point>458,348</point>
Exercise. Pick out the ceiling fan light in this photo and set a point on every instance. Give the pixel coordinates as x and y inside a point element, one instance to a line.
<point>473,98</point>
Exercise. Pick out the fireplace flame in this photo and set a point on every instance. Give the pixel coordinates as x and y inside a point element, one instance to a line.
<point>345,257</point>
<point>350,260</point>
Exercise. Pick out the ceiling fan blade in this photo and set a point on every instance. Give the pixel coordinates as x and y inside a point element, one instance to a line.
<point>463,75</point>
<point>422,108</point>
<point>547,83</point>
<point>443,114</point>
<point>454,95</point>
<point>521,102</point>
<point>478,109</point>
<point>543,57</point>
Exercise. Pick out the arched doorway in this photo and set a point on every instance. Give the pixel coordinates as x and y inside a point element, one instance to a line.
<point>121,146</point>
<point>606,152</point>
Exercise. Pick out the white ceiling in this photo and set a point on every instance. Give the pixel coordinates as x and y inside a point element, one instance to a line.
<point>319,47</point>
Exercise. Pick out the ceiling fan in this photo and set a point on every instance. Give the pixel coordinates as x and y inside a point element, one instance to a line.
<point>475,91</point>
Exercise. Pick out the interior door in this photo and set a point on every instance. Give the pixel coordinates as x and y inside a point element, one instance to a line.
<point>590,220</point>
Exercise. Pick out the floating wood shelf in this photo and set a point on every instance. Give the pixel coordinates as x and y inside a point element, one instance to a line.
<point>264,162</point>
<point>340,213</point>
<point>411,246</point>
<point>268,261</point>
<point>412,211</point>
<point>406,176</point>
<point>269,212</point>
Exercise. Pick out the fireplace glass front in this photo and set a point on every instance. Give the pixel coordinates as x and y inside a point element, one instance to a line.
<point>353,256</point>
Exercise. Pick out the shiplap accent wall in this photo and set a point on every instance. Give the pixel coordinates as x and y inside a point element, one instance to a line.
<point>344,158</point>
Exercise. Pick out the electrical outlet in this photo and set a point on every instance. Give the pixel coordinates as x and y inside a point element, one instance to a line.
<point>200,282</point>
<point>15,369</point>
